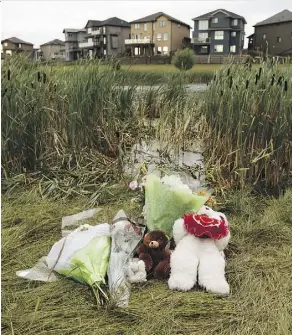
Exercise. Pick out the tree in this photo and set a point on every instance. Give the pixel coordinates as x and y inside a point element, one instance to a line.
<point>183,59</point>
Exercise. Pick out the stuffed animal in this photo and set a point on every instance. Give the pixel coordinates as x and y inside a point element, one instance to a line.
<point>200,240</point>
<point>153,253</point>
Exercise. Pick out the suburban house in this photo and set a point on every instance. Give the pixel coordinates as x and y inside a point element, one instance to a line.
<point>158,33</point>
<point>54,49</point>
<point>105,38</point>
<point>273,35</point>
<point>72,39</point>
<point>14,45</point>
<point>219,32</point>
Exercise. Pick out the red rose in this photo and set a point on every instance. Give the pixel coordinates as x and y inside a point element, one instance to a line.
<point>204,226</point>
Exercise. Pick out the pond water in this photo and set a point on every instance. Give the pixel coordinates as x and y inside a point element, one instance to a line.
<point>158,156</point>
<point>189,87</point>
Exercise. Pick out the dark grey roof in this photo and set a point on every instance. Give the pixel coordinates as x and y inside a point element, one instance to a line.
<point>250,35</point>
<point>16,41</point>
<point>209,15</point>
<point>283,16</point>
<point>155,16</point>
<point>54,42</point>
<point>112,21</point>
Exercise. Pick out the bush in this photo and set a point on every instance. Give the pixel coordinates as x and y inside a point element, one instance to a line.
<point>183,59</point>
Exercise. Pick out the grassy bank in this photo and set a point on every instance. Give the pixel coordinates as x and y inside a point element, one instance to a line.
<point>258,270</point>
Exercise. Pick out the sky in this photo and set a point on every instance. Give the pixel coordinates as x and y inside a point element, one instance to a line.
<point>40,21</point>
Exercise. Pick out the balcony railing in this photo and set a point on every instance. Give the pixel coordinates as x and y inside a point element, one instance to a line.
<point>138,41</point>
<point>201,40</point>
<point>90,44</point>
<point>95,32</point>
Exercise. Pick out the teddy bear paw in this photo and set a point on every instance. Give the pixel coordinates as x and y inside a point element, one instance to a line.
<point>180,283</point>
<point>137,272</point>
<point>217,286</point>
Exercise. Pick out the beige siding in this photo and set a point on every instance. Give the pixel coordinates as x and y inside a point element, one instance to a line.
<point>49,51</point>
<point>177,34</point>
<point>174,33</point>
<point>12,48</point>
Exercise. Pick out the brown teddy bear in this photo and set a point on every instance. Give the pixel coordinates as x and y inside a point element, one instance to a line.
<point>156,258</point>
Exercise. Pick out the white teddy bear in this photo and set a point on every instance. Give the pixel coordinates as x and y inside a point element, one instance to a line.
<point>195,256</point>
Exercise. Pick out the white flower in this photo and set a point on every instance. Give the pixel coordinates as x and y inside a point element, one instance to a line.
<point>133,185</point>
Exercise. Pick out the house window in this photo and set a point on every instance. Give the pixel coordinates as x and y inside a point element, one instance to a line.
<point>218,48</point>
<point>203,36</point>
<point>104,52</point>
<point>203,25</point>
<point>178,25</point>
<point>232,48</point>
<point>215,20</point>
<point>204,49</point>
<point>19,45</point>
<point>264,36</point>
<point>89,30</point>
<point>165,50</point>
<point>279,39</point>
<point>165,37</point>
<point>154,26</point>
<point>234,22</point>
<point>103,30</point>
<point>162,23</point>
<point>137,25</point>
<point>145,26</point>
<point>104,40</point>
<point>158,37</point>
<point>219,35</point>
<point>233,34</point>
<point>159,49</point>
<point>5,44</point>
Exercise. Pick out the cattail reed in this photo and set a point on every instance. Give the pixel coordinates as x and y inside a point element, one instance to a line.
<point>273,80</point>
<point>44,78</point>
<point>260,72</point>
<point>286,86</point>
<point>230,82</point>
<point>257,78</point>
<point>246,84</point>
<point>8,74</point>
<point>39,76</point>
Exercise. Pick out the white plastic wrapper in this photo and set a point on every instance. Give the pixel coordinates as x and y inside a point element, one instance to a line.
<point>42,271</point>
<point>125,238</point>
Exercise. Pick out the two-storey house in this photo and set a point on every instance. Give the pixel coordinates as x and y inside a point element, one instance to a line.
<point>158,33</point>
<point>72,39</point>
<point>14,45</point>
<point>54,49</point>
<point>273,35</point>
<point>219,32</point>
<point>105,38</point>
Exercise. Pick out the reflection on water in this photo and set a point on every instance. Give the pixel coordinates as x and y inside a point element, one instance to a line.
<point>157,155</point>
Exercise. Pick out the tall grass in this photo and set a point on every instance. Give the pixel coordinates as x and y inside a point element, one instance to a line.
<point>49,116</point>
<point>249,114</point>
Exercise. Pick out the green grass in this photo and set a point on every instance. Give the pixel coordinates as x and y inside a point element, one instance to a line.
<point>258,270</point>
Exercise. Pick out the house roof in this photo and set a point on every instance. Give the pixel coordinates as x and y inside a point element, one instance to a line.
<point>250,36</point>
<point>70,30</point>
<point>155,16</point>
<point>16,41</point>
<point>209,15</point>
<point>283,16</point>
<point>112,21</point>
<point>54,42</point>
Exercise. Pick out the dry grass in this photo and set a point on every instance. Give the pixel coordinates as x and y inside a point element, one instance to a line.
<point>258,270</point>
